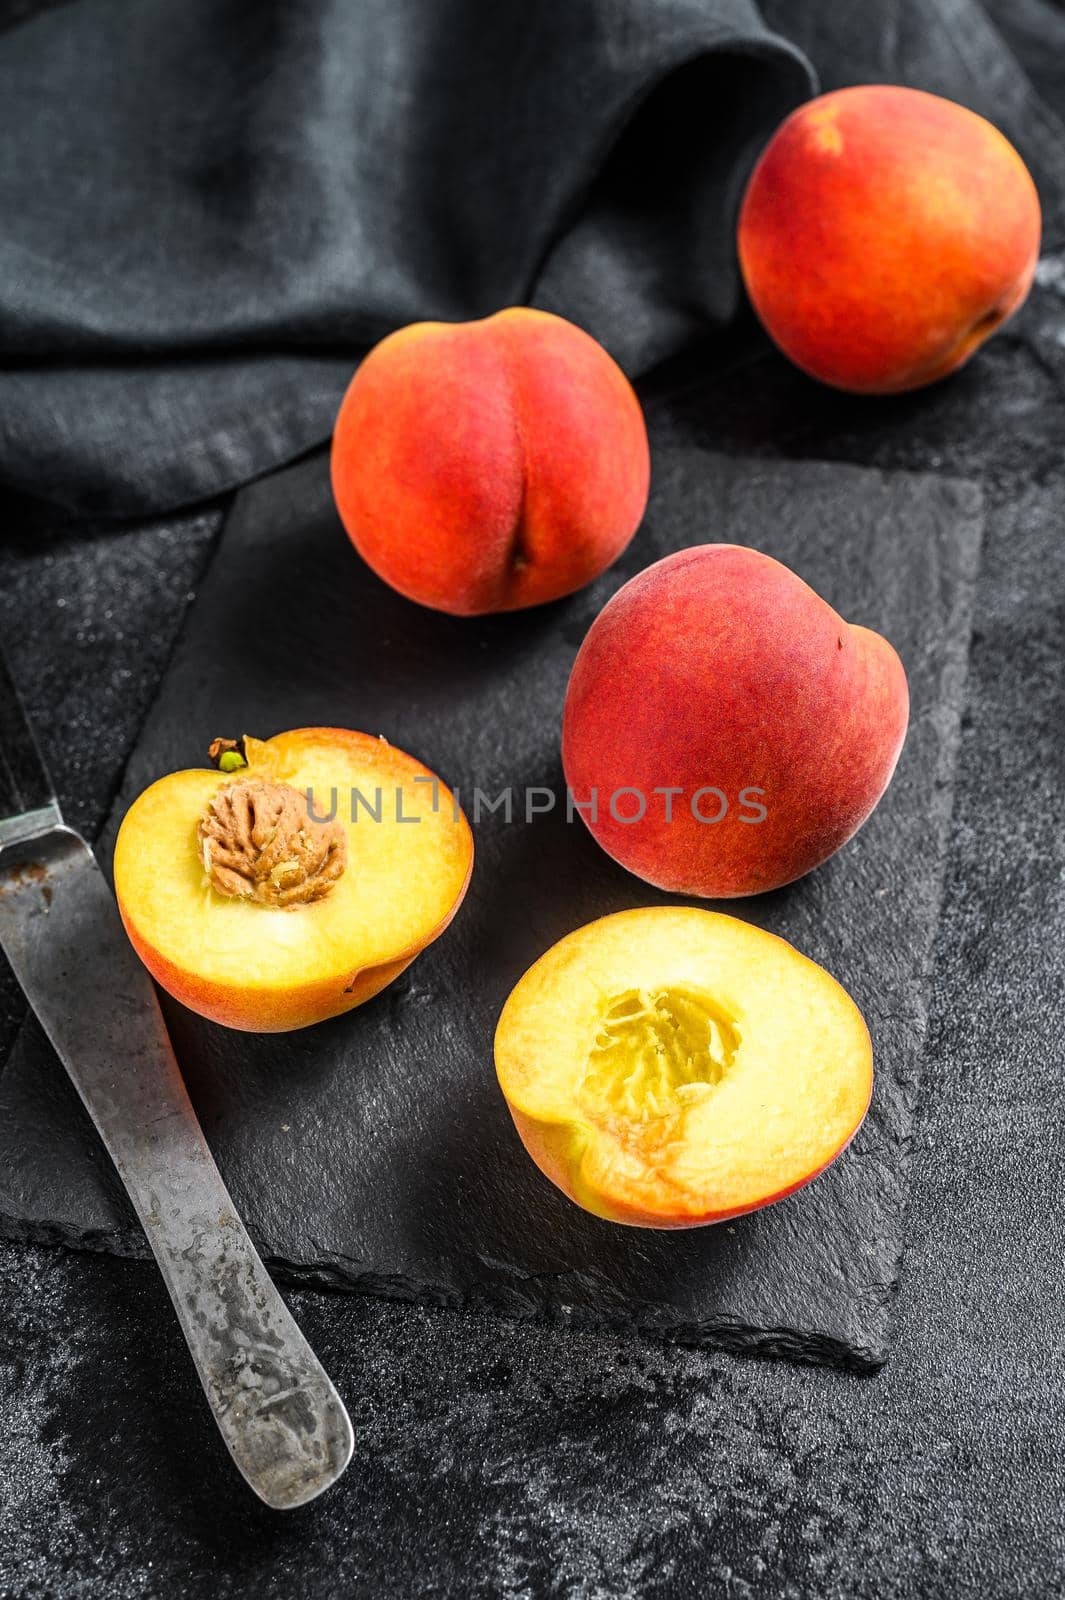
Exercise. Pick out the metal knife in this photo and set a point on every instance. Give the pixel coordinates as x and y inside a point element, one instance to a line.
<point>280,1416</point>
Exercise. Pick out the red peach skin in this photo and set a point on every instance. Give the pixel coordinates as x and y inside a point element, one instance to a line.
<point>485,466</point>
<point>719,666</point>
<point>884,235</point>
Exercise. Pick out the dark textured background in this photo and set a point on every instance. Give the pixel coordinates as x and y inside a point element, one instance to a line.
<point>530,1461</point>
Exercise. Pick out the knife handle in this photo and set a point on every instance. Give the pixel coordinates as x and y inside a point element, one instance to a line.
<point>280,1416</point>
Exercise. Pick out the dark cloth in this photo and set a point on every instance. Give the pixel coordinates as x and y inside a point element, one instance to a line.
<point>212,207</point>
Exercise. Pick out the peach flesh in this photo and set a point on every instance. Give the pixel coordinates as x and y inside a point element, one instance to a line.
<point>274,966</point>
<point>671,1067</point>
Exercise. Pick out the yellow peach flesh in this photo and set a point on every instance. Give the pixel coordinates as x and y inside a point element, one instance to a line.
<point>672,1066</point>
<point>255,966</point>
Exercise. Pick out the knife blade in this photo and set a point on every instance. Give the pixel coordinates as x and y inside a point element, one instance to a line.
<point>282,1420</point>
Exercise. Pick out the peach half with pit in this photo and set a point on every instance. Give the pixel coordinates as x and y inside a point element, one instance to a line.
<point>669,1067</point>
<point>292,881</point>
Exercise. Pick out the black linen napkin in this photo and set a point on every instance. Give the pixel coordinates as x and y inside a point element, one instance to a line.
<point>212,207</point>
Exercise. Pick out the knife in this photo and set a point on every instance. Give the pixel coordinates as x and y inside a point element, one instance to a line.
<point>281,1418</point>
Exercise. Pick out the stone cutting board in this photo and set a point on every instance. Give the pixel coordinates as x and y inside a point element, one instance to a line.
<point>374,1153</point>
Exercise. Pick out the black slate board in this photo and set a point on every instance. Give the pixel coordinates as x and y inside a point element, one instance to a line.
<point>374,1152</point>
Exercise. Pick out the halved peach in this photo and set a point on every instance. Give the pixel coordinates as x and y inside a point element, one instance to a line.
<point>295,884</point>
<point>670,1067</point>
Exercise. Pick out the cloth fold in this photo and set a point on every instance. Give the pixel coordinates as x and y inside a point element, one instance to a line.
<point>213,207</point>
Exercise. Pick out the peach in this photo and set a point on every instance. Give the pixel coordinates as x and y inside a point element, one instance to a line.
<point>725,731</point>
<point>484,466</point>
<point>296,882</point>
<point>671,1067</point>
<point>884,235</point>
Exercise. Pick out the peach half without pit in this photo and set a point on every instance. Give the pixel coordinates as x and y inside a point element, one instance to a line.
<point>294,883</point>
<point>671,1067</point>
<point>490,465</point>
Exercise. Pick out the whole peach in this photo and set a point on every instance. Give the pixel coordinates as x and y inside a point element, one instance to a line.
<point>725,731</point>
<point>484,466</point>
<point>884,235</point>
